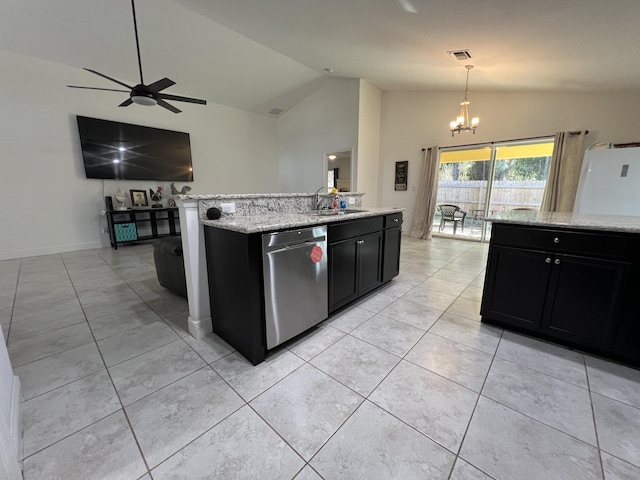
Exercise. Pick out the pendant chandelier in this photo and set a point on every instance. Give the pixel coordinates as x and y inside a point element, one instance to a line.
<point>462,124</point>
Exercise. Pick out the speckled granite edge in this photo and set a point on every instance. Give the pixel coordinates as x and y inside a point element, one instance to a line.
<point>240,196</point>
<point>281,221</point>
<point>262,204</point>
<point>582,221</point>
<point>263,212</point>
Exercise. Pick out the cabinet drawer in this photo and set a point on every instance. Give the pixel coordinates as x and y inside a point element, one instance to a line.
<point>393,220</point>
<point>353,228</point>
<point>601,244</point>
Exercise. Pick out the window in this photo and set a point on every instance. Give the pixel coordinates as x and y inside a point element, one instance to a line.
<point>488,179</point>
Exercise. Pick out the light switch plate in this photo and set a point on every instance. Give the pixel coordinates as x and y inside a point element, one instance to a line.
<point>228,207</point>
<point>352,201</point>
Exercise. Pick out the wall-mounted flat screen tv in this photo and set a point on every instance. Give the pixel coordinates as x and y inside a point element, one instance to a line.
<point>121,151</point>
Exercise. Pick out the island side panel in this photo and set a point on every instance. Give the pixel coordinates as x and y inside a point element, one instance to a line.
<point>234,266</point>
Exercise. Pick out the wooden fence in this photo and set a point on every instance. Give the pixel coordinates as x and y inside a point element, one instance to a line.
<point>505,195</point>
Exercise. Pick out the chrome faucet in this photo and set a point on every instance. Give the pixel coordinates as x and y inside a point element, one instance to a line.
<point>318,199</point>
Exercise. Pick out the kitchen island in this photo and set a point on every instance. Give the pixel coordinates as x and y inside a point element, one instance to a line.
<point>570,279</point>
<point>258,214</point>
<point>271,279</point>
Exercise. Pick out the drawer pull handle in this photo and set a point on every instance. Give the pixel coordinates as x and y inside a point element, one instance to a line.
<point>557,261</point>
<point>556,240</point>
<point>547,260</point>
<point>360,242</point>
<point>396,220</point>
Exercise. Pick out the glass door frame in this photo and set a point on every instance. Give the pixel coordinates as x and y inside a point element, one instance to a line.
<point>494,146</point>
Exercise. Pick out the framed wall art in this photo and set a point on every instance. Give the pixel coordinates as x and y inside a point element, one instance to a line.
<point>401,174</point>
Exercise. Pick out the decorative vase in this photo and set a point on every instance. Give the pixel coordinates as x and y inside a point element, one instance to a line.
<point>121,198</point>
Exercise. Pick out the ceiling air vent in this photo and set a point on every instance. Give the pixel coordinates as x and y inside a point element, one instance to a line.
<point>460,54</point>
<point>276,111</point>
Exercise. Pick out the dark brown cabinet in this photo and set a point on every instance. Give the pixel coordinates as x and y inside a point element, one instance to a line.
<point>516,287</point>
<point>355,260</point>
<point>583,299</point>
<point>573,287</point>
<point>391,243</point>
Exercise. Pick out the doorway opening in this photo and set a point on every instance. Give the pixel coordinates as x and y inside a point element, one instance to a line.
<point>339,170</point>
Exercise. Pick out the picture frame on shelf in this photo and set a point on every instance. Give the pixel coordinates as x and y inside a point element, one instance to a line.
<point>139,198</point>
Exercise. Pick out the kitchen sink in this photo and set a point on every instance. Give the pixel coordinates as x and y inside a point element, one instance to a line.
<point>327,213</point>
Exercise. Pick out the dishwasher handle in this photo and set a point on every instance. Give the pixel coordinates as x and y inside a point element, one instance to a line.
<point>281,240</point>
<point>292,246</point>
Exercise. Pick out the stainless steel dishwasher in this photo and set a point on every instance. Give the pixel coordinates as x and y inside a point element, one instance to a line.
<point>294,265</point>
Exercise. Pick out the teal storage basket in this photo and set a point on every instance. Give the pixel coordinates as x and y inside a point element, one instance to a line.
<point>126,232</point>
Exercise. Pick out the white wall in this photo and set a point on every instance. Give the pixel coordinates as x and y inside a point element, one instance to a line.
<point>414,120</point>
<point>368,164</point>
<point>46,203</point>
<point>326,121</point>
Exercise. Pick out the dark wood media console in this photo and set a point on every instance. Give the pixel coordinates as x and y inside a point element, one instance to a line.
<point>126,226</point>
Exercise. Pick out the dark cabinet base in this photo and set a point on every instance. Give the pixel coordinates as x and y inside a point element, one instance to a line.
<point>236,287</point>
<point>564,286</point>
<point>234,264</point>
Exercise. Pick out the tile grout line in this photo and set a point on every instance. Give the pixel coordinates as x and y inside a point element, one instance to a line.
<point>593,416</point>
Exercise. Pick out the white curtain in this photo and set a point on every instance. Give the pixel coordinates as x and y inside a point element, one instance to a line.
<point>564,172</point>
<point>426,206</point>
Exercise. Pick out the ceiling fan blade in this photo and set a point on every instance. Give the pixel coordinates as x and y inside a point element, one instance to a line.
<point>155,87</point>
<point>94,88</point>
<point>168,106</point>
<point>178,98</point>
<point>126,103</point>
<point>108,78</point>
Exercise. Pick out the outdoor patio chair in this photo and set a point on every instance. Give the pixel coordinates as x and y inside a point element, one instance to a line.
<point>451,213</point>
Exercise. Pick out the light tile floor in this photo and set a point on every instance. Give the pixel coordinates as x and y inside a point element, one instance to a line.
<point>405,384</point>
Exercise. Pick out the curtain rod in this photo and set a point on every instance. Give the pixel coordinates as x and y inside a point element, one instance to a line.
<point>572,132</point>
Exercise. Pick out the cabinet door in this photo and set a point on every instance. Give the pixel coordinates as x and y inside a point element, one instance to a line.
<point>627,335</point>
<point>515,286</point>
<point>583,300</point>
<point>369,262</point>
<point>391,256</point>
<point>343,266</point>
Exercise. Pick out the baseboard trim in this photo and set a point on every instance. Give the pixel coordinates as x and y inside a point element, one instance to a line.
<point>34,252</point>
<point>200,327</point>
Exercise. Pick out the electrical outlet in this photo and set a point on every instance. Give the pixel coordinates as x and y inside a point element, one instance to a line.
<point>352,201</point>
<point>228,207</point>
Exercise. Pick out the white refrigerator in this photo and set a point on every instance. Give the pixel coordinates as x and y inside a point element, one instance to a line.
<point>609,182</point>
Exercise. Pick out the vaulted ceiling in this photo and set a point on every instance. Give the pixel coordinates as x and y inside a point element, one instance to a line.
<point>259,54</point>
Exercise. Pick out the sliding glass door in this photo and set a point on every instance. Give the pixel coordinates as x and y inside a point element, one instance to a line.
<point>477,182</point>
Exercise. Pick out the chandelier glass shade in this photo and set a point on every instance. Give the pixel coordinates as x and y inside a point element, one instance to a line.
<point>464,122</point>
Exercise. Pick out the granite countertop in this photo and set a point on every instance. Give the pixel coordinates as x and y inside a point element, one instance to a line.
<point>583,221</point>
<point>280,221</point>
<point>233,196</point>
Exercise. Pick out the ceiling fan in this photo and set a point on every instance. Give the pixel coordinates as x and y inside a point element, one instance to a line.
<point>144,94</point>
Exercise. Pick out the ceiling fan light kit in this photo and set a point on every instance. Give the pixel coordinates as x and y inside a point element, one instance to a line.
<point>142,94</point>
<point>463,123</point>
<point>144,100</point>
